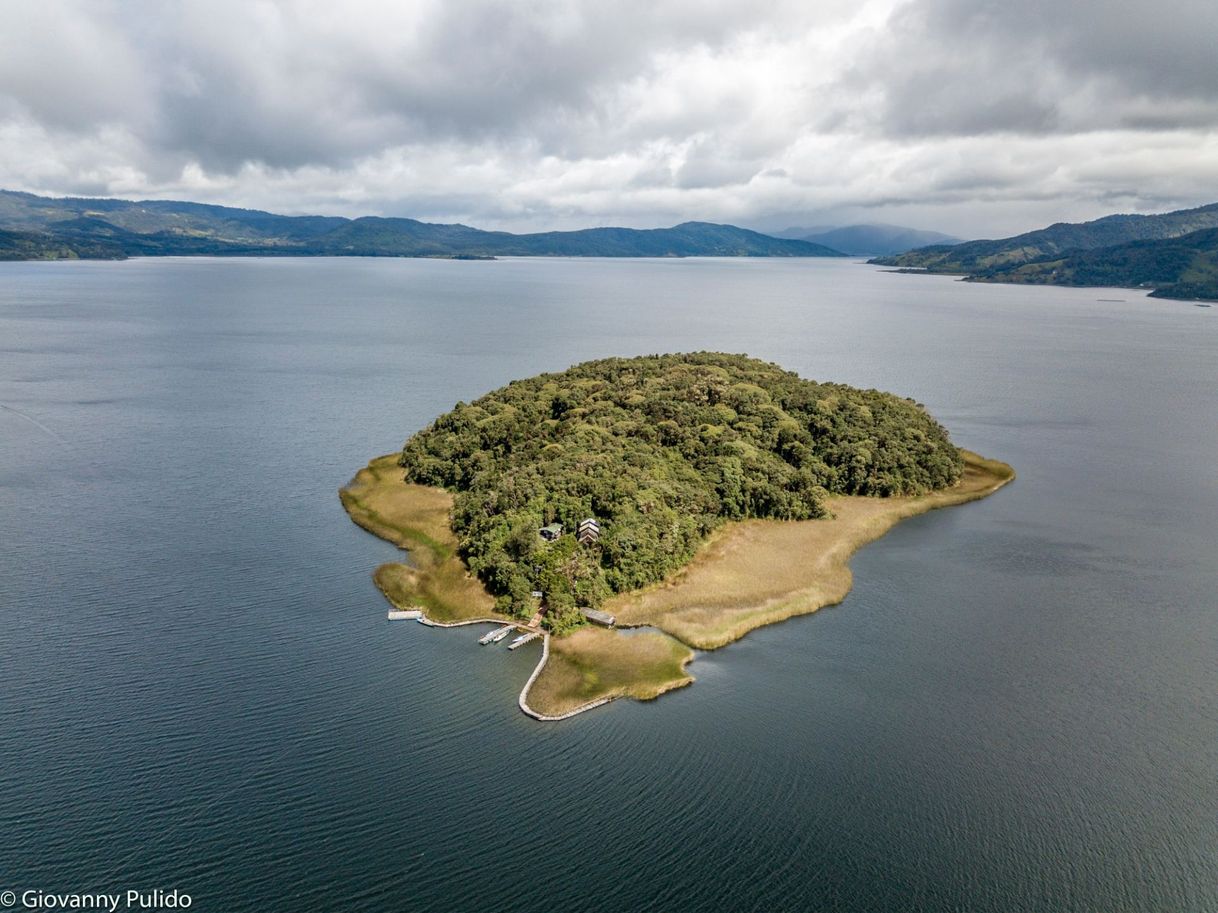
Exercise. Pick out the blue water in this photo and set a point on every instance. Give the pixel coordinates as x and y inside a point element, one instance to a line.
<point>1016,709</point>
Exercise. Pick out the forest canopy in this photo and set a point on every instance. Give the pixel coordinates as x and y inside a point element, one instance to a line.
<point>659,450</point>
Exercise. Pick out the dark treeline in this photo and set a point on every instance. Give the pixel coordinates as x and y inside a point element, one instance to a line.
<point>658,449</point>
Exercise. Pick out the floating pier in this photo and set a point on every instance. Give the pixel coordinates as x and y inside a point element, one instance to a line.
<point>493,637</point>
<point>524,639</point>
<point>405,614</point>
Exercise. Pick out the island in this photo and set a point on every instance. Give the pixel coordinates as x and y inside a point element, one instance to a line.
<point>628,511</point>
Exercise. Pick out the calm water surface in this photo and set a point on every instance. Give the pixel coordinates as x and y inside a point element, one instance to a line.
<point>1016,709</point>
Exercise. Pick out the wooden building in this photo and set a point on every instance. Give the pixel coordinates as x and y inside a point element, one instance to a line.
<point>596,616</point>
<point>589,531</point>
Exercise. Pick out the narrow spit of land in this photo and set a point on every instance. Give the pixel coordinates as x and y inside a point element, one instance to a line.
<point>416,518</point>
<point>582,670</point>
<point>746,575</point>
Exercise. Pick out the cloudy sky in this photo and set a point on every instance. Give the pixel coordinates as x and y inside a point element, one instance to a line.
<point>974,117</point>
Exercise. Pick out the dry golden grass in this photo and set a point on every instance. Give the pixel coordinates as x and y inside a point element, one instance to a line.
<point>409,516</point>
<point>416,518</point>
<point>588,665</point>
<point>591,664</point>
<point>747,575</point>
<point>758,572</point>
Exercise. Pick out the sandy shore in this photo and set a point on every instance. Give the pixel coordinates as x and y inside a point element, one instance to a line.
<point>758,572</point>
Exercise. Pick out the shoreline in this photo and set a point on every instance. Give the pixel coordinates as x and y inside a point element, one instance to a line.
<point>523,700</point>
<point>415,519</point>
<point>591,705</point>
<point>742,578</point>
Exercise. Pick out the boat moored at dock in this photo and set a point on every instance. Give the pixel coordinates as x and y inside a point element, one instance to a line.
<point>493,637</point>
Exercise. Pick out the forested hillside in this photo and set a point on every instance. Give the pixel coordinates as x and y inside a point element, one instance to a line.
<point>78,227</point>
<point>1184,267</point>
<point>977,257</point>
<point>31,245</point>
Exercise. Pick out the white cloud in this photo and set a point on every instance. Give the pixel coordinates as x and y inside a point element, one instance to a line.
<point>970,116</point>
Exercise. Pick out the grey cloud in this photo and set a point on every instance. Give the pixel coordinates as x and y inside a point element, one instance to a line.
<point>231,82</point>
<point>707,164</point>
<point>963,67</point>
<point>69,71</point>
<point>560,113</point>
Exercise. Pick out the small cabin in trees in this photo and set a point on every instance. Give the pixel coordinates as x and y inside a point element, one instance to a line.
<point>551,532</point>
<point>596,616</point>
<point>589,531</point>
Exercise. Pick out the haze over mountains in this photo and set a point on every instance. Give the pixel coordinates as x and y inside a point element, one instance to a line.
<point>34,227</point>
<point>871,240</point>
<point>1175,253</point>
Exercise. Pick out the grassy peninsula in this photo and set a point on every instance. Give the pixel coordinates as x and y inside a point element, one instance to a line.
<point>589,666</point>
<point>727,494</point>
<point>416,518</point>
<point>755,572</point>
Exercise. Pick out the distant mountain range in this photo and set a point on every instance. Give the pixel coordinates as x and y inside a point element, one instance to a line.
<point>868,240</point>
<point>34,227</point>
<point>1174,253</point>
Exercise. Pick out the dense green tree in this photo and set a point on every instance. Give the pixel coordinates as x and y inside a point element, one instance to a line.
<point>660,450</point>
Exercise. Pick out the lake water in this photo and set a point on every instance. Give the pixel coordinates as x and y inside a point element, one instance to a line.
<point>1016,709</point>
